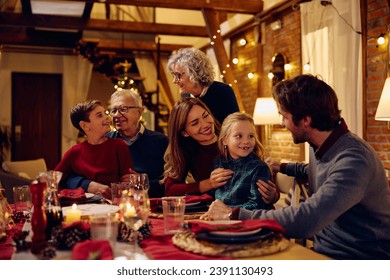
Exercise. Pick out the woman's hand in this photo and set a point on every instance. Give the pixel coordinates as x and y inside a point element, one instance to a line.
<point>217,211</point>
<point>99,189</point>
<point>268,191</point>
<point>219,177</point>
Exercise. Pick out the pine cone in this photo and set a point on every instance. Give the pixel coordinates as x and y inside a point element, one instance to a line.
<point>48,253</point>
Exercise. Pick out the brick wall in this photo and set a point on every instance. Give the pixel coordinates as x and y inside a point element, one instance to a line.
<point>257,56</point>
<point>377,132</point>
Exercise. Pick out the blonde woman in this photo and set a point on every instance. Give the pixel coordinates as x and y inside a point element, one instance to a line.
<point>241,151</point>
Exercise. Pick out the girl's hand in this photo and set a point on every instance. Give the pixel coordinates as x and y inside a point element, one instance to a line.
<point>219,177</point>
<point>268,191</point>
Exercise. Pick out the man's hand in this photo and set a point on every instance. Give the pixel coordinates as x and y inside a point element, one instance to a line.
<point>217,211</point>
<point>100,189</point>
<point>275,166</point>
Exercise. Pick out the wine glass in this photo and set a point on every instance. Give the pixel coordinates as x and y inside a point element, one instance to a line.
<point>131,216</point>
<point>139,184</point>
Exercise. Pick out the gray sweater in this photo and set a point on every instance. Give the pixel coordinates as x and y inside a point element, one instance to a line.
<point>348,212</point>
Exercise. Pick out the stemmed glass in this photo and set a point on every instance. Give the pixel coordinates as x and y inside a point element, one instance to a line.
<point>139,184</point>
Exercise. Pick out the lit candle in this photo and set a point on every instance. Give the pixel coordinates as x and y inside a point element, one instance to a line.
<point>73,214</point>
<point>130,211</point>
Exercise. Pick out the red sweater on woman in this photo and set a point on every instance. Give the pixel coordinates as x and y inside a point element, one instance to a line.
<point>104,163</point>
<point>200,166</point>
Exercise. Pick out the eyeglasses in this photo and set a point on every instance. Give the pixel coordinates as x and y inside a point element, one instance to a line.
<point>177,75</point>
<point>122,109</point>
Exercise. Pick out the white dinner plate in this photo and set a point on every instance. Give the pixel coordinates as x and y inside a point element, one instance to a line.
<point>192,203</point>
<point>93,209</point>
<point>89,195</point>
<point>223,222</point>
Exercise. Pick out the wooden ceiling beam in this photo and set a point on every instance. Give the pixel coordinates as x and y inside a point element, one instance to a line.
<point>117,46</point>
<point>233,6</point>
<point>64,40</point>
<point>74,23</point>
<point>9,5</point>
<point>12,36</point>
<point>163,81</point>
<point>212,23</point>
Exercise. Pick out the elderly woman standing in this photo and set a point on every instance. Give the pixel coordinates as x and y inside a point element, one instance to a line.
<point>193,72</point>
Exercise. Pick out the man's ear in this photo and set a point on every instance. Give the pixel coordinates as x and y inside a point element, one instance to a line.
<point>140,111</point>
<point>306,121</point>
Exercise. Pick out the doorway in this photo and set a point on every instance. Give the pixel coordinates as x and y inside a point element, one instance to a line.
<point>36,117</point>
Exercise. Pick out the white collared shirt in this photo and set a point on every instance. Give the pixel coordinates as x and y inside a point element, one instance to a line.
<point>130,141</point>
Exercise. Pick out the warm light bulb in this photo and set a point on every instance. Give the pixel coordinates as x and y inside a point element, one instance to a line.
<point>212,43</point>
<point>287,66</point>
<point>380,40</point>
<point>242,42</point>
<point>251,75</point>
<point>235,60</point>
<point>307,67</point>
<point>270,75</point>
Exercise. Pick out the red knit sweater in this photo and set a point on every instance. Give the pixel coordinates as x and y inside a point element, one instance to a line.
<point>104,163</point>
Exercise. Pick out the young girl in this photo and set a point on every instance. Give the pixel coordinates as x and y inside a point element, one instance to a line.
<point>241,151</point>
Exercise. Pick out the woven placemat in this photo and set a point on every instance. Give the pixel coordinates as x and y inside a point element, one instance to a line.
<point>187,241</point>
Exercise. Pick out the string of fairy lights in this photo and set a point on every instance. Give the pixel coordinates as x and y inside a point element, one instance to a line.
<point>380,39</point>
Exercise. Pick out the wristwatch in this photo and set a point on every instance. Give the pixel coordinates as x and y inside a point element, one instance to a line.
<point>230,214</point>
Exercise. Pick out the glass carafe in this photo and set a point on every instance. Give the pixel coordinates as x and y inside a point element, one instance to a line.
<point>52,206</point>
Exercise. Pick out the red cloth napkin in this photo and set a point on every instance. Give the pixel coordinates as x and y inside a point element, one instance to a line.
<point>68,196</point>
<point>199,198</point>
<point>7,247</point>
<point>92,250</point>
<point>159,246</point>
<point>241,226</point>
<point>72,194</point>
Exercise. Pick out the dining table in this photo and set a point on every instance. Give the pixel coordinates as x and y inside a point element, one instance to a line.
<point>158,246</point>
